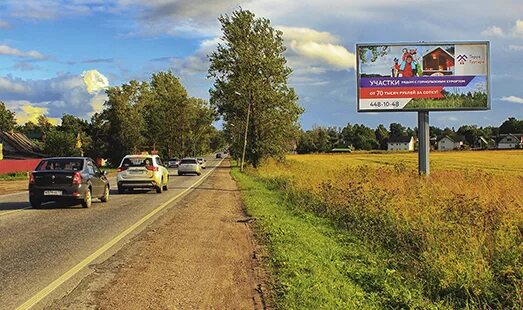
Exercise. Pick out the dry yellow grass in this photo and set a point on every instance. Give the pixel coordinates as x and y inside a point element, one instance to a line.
<point>460,230</point>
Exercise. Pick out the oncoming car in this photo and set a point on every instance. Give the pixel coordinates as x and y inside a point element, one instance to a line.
<point>67,178</point>
<point>142,171</point>
<point>189,165</point>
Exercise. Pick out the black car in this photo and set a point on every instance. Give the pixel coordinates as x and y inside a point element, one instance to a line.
<point>67,178</point>
<point>218,155</point>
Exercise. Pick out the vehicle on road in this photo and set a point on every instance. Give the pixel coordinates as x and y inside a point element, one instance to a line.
<point>67,178</point>
<point>218,155</point>
<point>142,171</point>
<point>201,161</point>
<point>189,166</point>
<point>173,162</point>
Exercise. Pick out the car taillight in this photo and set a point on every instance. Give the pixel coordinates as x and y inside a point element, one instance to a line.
<point>151,168</point>
<point>31,178</point>
<point>77,178</point>
<point>120,169</point>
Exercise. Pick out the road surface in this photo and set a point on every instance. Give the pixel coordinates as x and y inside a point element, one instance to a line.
<point>45,253</point>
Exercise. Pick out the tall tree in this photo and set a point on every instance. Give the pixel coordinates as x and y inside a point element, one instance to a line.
<point>382,135</point>
<point>511,125</point>
<point>397,130</point>
<point>125,120</point>
<point>251,76</point>
<point>7,118</point>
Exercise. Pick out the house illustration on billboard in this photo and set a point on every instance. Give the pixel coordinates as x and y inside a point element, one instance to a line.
<point>438,61</point>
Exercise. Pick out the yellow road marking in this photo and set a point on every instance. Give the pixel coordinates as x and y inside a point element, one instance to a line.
<point>13,211</point>
<point>89,259</point>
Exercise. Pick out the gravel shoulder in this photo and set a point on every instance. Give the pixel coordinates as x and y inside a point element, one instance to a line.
<point>200,254</point>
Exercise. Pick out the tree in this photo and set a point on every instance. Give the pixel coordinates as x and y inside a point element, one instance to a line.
<point>60,143</point>
<point>125,121</point>
<point>7,118</point>
<point>382,135</point>
<point>251,75</point>
<point>397,130</point>
<point>511,125</point>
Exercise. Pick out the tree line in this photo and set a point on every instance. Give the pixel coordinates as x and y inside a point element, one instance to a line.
<point>155,116</point>
<point>360,137</point>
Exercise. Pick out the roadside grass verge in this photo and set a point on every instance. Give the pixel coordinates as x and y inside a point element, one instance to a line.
<point>16,176</point>
<point>459,232</point>
<point>315,264</point>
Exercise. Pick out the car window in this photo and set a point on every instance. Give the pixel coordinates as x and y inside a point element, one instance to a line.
<point>137,162</point>
<point>95,167</point>
<point>159,162</point>
<point>90,169</point>
<point>61,164</point>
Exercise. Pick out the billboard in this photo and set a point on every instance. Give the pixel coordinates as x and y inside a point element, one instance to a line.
<point>445,76</point>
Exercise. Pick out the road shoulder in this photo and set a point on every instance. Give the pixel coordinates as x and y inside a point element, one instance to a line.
<point>199,254</point>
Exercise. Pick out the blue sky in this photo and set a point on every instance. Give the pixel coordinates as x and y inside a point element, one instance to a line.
<point>47,47</point>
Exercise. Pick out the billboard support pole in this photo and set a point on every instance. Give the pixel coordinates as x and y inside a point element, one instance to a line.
<point>424,143</point>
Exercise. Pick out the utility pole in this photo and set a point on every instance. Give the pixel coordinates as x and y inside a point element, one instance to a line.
<point>245,136</point>
<point>424,141</point>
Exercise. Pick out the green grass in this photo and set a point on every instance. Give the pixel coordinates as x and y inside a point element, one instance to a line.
<point>13,176</point>
<point>314,264</point>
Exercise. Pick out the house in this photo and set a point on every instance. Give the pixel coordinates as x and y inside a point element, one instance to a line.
<point>438,61</point>
<point>450,143</point>
<point>405,143</point>
<point>17,146</point>
<point>485,143</point>
<point>510,141</point>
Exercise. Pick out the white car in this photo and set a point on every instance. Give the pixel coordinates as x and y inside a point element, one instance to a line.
<point>189,166</point>
<point>201,161</point>
<point>142,171</point>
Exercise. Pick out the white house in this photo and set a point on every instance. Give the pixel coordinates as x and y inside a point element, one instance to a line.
<point>510,141</point>
<point>448,144</point>
<point>401,143</point>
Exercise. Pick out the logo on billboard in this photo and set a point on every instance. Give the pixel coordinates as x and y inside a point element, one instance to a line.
<point>462,59</point>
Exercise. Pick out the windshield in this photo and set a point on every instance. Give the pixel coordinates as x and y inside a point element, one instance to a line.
<point>188,161</point>
<point>137,162</point>
<point>61,164</point>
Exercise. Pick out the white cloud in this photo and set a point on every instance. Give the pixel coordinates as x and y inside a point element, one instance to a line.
<point>513,47</point>
<point>513,99</point>
<point>7,50</point>
<point>317,47</point>
<point>73,94</point>
<point>493,31</point>
<point>51,9</point>
<point>517,31</point>
<point>4,24</point>
<point>9,85</point>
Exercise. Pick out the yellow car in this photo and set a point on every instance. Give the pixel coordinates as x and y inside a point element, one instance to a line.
<point>142,171</point>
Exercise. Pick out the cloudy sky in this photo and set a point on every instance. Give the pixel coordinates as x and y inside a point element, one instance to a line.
<point>56,56</point>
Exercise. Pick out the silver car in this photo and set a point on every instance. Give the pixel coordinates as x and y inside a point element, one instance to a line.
<point>189,166</point>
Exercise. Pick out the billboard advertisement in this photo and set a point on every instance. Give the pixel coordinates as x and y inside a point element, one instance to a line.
<point>423,76</point>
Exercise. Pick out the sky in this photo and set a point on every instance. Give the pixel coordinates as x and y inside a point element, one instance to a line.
<point>58,56</point>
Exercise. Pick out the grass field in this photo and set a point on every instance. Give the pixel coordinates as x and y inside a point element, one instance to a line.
<point>455,237</point>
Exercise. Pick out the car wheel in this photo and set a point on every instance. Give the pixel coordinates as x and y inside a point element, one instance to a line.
<point>165,188</point>
<point>198,173</point>
<point>35,203</point>
<point>180,173</point>
<point>121,190</point>
<point>105,197</point>
<point>86,203</point>
<point>159,189</point>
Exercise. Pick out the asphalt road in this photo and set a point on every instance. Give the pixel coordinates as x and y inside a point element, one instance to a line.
<point>39,246</point>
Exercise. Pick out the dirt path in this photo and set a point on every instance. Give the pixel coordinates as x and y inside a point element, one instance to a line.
<point>199,255</point>
<point>14,186</point>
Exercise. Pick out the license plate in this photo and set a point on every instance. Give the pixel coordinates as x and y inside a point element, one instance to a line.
<point>136,171</point>
<point>52,193</point>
